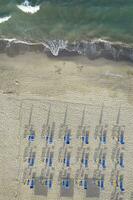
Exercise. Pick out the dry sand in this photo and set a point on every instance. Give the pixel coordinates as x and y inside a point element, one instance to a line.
<point>36,80</point>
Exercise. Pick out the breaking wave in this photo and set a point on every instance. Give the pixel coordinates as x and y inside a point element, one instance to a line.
<point>4,19</point>
<point>55,46</point>
<point>28,8</point>
<point>93,49</point>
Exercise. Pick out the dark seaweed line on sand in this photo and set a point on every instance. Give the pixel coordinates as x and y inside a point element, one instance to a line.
<point>93,49</point>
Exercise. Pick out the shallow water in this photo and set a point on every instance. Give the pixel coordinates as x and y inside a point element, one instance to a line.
<point>72,19</point>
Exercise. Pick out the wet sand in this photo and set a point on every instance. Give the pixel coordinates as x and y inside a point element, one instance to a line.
<point>39,75</point>
<point>36,80</point>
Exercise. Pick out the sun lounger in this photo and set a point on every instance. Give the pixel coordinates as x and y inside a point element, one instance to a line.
<point>32,183</point>
<point>121,139</point>
<point>121,186</point>
<point>66,183</point>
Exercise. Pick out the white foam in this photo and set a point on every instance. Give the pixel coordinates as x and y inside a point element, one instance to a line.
<point>27,8</point>
<point>28,43</point>
<point>9,39</point>
<point>4,19</point>
<point>55,46</point>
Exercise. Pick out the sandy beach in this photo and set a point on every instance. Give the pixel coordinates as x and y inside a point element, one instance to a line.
<point>33,82</point>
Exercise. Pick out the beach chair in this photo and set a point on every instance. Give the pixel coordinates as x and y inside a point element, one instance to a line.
<point>104,138</point>
<point>67,160</point>
<point>101,182</point>
<point>50,162</point>
<point>48,136</point>
<point>50,159</point>
<point>68,163</point>
<point>48,183</point>
<point>67,137</point>
<point>85,184</point>
<point>85,138</point>
<point>85,160</point>
<point>103,162</point>
<point>31,159</point>
<point>32,183</point>
<point>121,159</point>
<point>121,138</point>
<point>51,135</point>
<point>31,136</point>
<point>66,183</point>
<point>121,184</point>
<point>49,139</point>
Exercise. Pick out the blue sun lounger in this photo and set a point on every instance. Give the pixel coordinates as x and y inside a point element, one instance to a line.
<point>85,184</point>
<point>121,162</point>
<point>49,139</point>
<point>85,139</point>
<point>67,160</point>
<point>121,186</point>
<point>67,138</point>
<point>104,163</point>
<point>85,161</point>
<point>101,183</point>
<point>32,183</point>
<point>49,161</point>
<point>66,183</point>
<point>48,183</point>
<point>121,139</point>
<point>103,139</point>
<point>31,137</point>
<point>31,161</point>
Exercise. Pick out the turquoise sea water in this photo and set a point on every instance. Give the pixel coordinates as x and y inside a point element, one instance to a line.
<point>69,19</point>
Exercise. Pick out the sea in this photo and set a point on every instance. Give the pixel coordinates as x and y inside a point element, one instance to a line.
<point>72,20</point>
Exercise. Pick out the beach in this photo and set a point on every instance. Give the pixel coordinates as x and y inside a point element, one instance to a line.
<point>66,100</point>
<point>36,81</point>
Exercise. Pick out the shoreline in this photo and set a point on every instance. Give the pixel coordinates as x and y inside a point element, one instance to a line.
<point>93,49</point>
